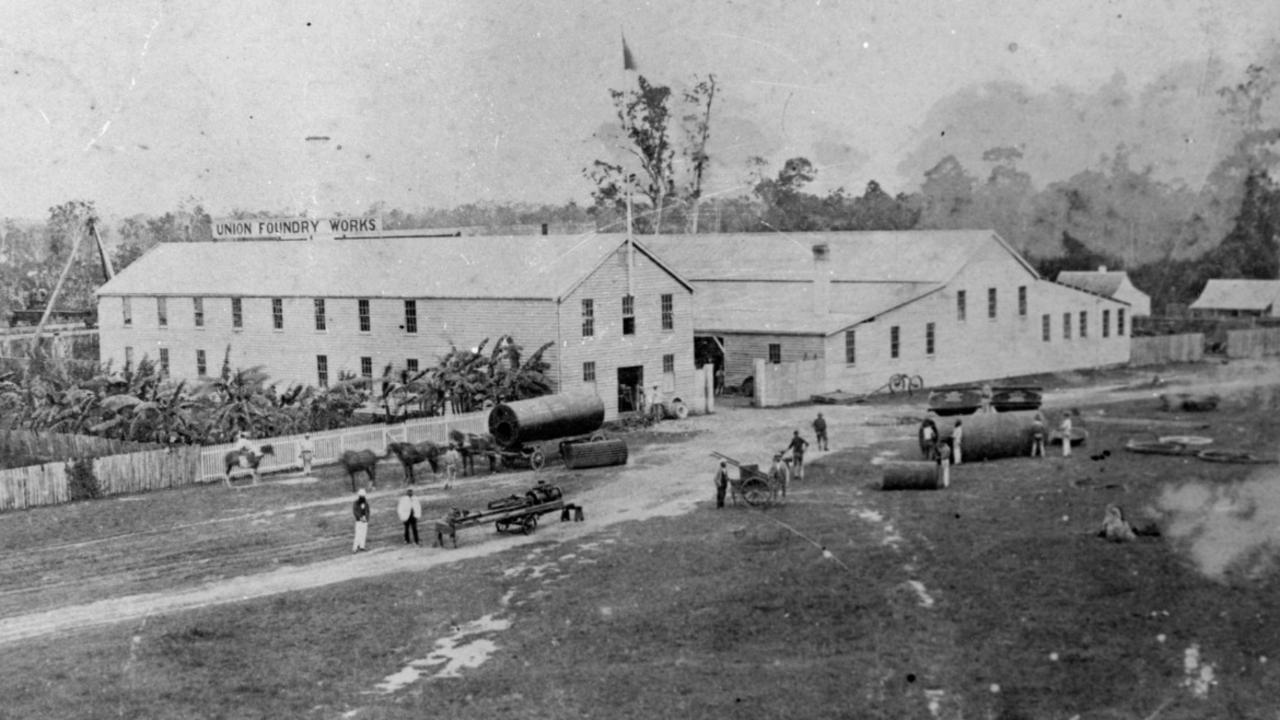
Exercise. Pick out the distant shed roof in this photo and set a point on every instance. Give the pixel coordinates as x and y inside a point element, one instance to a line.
<point>1238,295</point>
<point>507,267</point>
<point>758,312</point>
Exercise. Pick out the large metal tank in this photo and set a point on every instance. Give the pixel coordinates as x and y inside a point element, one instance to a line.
<point>545,418</point>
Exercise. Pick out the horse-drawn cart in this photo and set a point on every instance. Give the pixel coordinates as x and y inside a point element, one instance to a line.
<point>757,488</point>
<point>514,513</point>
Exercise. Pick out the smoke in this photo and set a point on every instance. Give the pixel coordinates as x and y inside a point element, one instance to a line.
<point>1230,531</point>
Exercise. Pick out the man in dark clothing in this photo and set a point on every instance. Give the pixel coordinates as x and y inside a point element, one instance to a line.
<point>361,510</point>
<point>722,483</point>
<point>797,447</point>
<point>820,430</point>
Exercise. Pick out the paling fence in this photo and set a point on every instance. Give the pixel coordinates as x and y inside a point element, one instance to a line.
<point>1253,343</point>
<point>330,445</point>
<point>49,445</point>
<point>1159,349</point>
<point>164,468</point>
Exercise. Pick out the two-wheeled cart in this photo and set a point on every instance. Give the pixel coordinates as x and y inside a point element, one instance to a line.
<point>757,488</point>
<point>514,513</point>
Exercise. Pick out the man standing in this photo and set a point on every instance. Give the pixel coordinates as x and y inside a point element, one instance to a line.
<point>956,439</point>
<point>780,474</point>
<point>409,509</point>
<point>306,450</point>
<point>657,404</point>
<point>1065,431</point>
<point>820,431</point>
<point>1037,436</point>
<point>722,483</point>
<point>361,510</point>
<point>452,458</point>
<point>719,382</point>
<point>797,447</point>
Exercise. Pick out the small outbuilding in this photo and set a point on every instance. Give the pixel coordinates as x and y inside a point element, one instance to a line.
<point>1238,298</point>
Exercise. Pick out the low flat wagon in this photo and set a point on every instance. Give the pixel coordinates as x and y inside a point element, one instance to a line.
<point>514,513</point>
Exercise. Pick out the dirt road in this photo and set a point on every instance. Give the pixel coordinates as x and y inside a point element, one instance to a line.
<point>661,480</point>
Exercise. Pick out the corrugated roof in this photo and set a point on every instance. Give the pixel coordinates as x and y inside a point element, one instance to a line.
<point>1105,283</point>
<point>459,267</point>
<point>1238,295</point>
<point>929,256</point>
<point>759,311</point>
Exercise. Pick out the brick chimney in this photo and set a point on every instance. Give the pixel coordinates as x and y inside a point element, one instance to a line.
<point>821,279</point>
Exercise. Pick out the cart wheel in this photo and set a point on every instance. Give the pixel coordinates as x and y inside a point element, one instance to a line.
<point>529,524</point>
<point>537,460</point>
<point>499,526</point>
<point>757,493</point>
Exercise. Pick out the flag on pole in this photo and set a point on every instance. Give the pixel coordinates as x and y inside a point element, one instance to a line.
<point>628,62</point>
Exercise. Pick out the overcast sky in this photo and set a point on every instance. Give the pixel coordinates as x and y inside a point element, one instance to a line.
<point>140,105</point>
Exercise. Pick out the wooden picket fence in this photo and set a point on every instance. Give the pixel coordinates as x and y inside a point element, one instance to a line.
<point>149,470</point>
<point>60,446</point>
<point>33,485</point>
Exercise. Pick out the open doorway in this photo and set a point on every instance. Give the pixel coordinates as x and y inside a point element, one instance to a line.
<point>630,385</point>
<point>709,350</point>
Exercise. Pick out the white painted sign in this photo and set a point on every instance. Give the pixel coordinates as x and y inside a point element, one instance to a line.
<point>243,228</point>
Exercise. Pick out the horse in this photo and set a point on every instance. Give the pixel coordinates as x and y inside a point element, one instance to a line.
<point>245,458</point>
<point>471,444</point>
<point>354,461</point>
<point>411,454</point>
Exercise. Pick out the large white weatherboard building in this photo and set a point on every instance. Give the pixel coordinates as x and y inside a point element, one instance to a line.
<point>1109,283</point>
<point>617,316</point>
<point>950,306</point>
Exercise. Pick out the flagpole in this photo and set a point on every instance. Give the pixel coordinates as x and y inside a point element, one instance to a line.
<point>631,247</point>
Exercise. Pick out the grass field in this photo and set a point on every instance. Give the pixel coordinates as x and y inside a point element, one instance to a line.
<point>991,599</point>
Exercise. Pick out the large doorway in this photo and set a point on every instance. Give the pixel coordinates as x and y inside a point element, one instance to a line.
<point>630,385</point>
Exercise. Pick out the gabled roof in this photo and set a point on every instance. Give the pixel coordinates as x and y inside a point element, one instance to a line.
<point>515,267</point>
<point>1238,295</point>
<point>1100,282</point>
<point>918,256</point>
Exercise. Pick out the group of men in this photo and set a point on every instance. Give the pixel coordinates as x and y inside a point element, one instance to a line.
<point>408,509</point>
<point>784,468</point>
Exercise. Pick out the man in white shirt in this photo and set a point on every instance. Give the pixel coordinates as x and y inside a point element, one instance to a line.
<point>409,509</point>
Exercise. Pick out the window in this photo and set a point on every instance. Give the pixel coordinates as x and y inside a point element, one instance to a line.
<point>991,303</point>
<point>127,308</point>
<point>588,372</point>
<point>775,353</point>
<point>959,305</point>
<point>198,306</point>
<point>322,370</point>
<point>668,363</point>
<point>850,348</point>
<point>366,368</point>
<point>588,318</point>
<point>1022,301</point>
<point>1066,326</point>
<point>237,313</point>
<point>411,316</point>
<point>164,361</point>
<point>162,312</point>
<point>128,356</point>
<point>320,321</point>
<point>1119,322</point>
<point>411,366</point>
<point>669,373</point>
<point>202,365</point>
<point>668,312</point>
<point>1106,323</point>
<point>1044,327</point>
<point>928,339</point>
<point>277,313</point>
<point>628,315</point>
<point>363,308</point>
<point>1084,324</point>
<point>893,341</point>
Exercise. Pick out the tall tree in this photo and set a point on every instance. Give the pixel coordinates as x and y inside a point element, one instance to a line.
<point>645,118</point>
